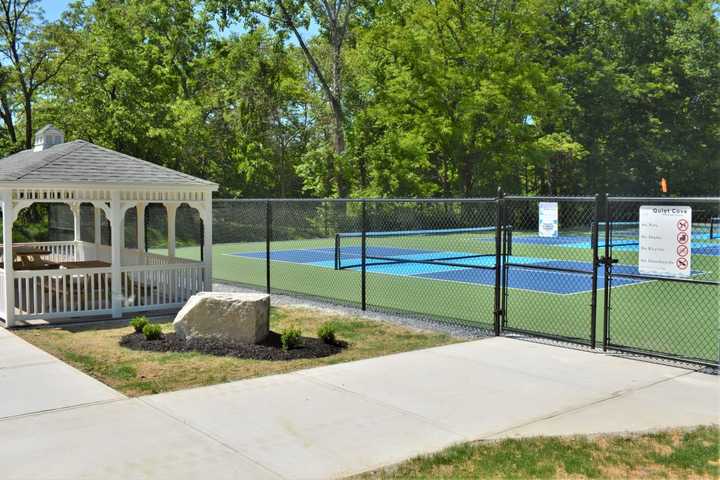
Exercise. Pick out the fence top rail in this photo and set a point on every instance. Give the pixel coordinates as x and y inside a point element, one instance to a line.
<point>355,200</point>
<point>665,199</point>
<point>549,198</point>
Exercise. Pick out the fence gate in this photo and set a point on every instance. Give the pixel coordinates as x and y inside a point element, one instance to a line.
<point>550,267</point>
<point>656,313</point>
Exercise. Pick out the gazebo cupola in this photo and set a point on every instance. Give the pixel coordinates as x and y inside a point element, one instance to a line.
<point>78,278</point>
<point>48,137</point>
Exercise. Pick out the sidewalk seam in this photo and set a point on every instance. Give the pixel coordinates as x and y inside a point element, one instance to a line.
<point>614,396</point>
<point>61,409</point>
<point>210,436</point>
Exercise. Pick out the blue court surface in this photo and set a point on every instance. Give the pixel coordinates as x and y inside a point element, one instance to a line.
<point>520,274</point>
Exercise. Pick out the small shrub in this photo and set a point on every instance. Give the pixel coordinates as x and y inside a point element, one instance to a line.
<point>290,338</point>
<point>138,323</point>
<point>326,333</point>
<point>152,332</point>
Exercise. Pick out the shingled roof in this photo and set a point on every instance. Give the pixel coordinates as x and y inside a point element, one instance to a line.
<point>81,162</point>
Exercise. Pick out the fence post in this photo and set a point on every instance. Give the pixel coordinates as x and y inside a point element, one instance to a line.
<point>498,313</point>
<point>268,237</point>
<point>363,247</point>
<point>596,262</point>
<point>607,265</point>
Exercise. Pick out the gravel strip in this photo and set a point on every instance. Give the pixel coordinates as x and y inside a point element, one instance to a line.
<point>416,323</point>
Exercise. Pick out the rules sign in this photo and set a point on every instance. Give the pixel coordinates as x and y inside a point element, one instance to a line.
<point>547,219</point>
<point>665,240</point>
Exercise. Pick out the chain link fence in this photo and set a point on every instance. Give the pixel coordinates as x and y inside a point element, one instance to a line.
<point>650,313</point>
<point>550,272</point>
<point>491,263</point>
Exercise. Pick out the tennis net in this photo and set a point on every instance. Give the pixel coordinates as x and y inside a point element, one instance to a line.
<point>459,247</point>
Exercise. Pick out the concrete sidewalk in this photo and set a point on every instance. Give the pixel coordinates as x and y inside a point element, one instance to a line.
<point>343,419</point>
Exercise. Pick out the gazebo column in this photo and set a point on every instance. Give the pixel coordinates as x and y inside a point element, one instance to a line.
<point>9,285</point>
<point>140,209</point>
<point>207,243</point>
<point>171,209</point>
<point>98,231</point>
<point>75,209</point>
<point>205,211</point>
<point>116,228</point>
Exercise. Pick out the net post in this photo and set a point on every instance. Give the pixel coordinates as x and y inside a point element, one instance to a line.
<point>337,251</point>
<point>363,247</point>
<point>268,237</point>
<point>596,262</point>
<point>498,261</point>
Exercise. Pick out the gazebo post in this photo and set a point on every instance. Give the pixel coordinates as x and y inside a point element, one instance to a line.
<point>207,243</point>
<point>140,209</point>
<point>171,210</point>
<point>116,227</point>
<point>9,285</point>
<point>75,209</point>
<point>98,230</point>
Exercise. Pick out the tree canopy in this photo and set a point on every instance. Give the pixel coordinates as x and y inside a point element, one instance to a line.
<point>418,98</point>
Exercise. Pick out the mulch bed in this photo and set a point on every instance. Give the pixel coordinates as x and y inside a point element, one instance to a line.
<point>269,349</point>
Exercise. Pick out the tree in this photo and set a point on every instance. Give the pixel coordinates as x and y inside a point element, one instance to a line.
<point>449,85</point>
<point>154,79</point>
<point>333,17</point>
<point>34,50</point>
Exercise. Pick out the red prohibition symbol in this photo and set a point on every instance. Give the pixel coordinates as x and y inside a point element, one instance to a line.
<point>682,225</point>
<point>681,263</point>
<point>682,237</point>
<point>682,250</point>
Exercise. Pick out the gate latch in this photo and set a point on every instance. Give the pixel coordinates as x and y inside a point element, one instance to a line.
<point>608,261</point>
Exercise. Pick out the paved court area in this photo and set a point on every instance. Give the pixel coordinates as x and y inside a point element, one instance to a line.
<point>333,421</point>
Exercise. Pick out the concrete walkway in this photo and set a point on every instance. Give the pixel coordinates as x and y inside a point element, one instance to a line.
<point>338,420</point>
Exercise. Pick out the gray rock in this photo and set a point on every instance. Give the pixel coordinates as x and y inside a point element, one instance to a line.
<point>240,317</point>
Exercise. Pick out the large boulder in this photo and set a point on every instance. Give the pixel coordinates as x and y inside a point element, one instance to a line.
<point>240,317</point>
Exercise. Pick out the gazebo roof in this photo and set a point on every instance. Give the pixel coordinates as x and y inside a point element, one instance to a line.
<point>84,163</point>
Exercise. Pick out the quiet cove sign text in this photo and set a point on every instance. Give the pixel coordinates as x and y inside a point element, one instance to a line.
<point>665,234</point>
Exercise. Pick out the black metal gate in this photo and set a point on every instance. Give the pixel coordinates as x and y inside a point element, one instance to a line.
<point>550,283</point>
<point>662,316</point>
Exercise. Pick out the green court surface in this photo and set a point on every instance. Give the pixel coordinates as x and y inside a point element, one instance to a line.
<point>660,316</point>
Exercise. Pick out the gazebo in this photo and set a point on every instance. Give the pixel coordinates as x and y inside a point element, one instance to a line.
<point>68,279</point>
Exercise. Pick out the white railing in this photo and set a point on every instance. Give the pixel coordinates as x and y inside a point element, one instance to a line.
<point>161,286</point>
<point>59,293</point>
<point>59,251</point>
<point>148,281</point>
<point>157,259</point>
<point>50,294</point>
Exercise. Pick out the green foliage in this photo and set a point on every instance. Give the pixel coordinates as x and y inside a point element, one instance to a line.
<point>152,331</point>
<point>138,323</point>
<point>667,454</point>
<point>290,337</point>
<point>326,332</point>
<point>445,98</point>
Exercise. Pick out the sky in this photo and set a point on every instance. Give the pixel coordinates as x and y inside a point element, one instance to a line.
<point>53,8</point>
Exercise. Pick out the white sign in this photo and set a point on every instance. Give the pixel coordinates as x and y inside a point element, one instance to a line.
<point>665,240</point>
<point>548,219</point>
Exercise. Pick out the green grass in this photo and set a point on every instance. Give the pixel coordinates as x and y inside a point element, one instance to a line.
<point>669,454</point>
<point>96,351</point>
<point>667,317</point>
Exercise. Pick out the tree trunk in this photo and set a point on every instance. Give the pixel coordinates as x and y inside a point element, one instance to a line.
<point>28,121</point>
<point>7,118</point>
